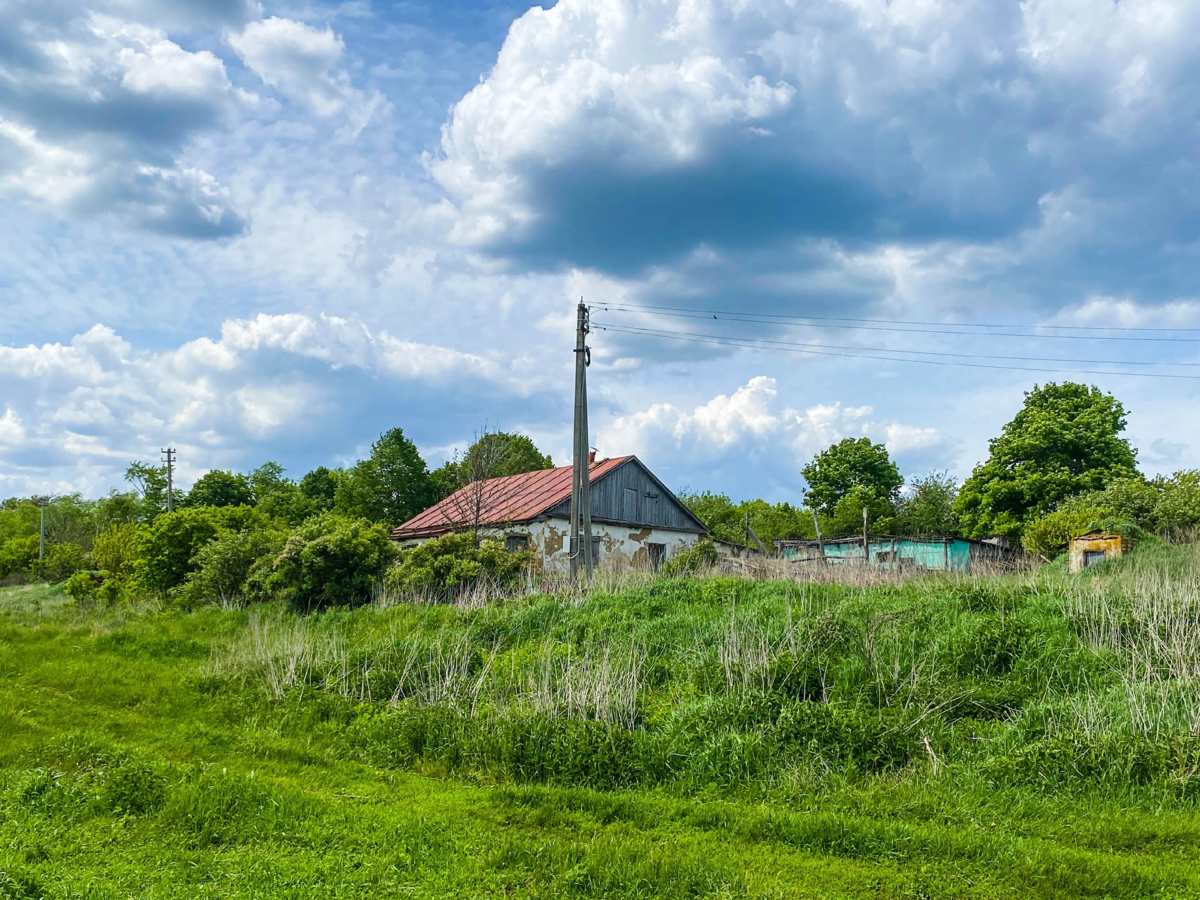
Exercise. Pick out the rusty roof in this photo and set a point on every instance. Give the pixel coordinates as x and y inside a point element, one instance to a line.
<point>501,501</point>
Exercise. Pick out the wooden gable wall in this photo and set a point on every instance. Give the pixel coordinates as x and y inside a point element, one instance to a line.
<point>631,495</point>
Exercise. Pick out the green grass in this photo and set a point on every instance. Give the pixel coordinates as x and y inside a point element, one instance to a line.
<point>682,739</point>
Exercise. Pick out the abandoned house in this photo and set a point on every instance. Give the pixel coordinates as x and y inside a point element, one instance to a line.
<point>1095,547</point>
<point>637,523</point>
<point>939,554</point>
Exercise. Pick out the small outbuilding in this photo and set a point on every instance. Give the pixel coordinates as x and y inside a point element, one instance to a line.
<point>1095,547</point>
<point>637,523</point>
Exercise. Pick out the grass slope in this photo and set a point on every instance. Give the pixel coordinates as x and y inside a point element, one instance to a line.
<point>682,739</point>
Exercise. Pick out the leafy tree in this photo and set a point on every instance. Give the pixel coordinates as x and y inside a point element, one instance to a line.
<point>150,483</point>
<point>220,488</point>
<point>928,509</point>
<point>846,520</point>
<point>320,486</point>
<point>282,498</point>
<point>849,464</point>
<point>61,562</point>
<point>328,561</point>
<point>391,487</point>
<point>1064,441</point>
<point>1178,505</point>
<point>495,454</point>
<point>726,520</point>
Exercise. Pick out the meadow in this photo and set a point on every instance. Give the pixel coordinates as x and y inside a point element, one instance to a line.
<point>1033,735</point>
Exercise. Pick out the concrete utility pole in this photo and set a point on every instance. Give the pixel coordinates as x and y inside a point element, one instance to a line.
<point>42,502</point>
<point>169,459</point>
<point>581,480</point>
<point>820,539</point>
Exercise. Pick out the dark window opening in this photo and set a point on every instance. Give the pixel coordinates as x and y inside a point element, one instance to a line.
<point>657,554</point>
<point>1091,557</point>
<point>515,543</point>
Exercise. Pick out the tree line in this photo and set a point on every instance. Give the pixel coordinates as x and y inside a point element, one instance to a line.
<point>1061,465</point>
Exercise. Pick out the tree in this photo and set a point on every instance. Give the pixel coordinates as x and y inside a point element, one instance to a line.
<point>391,487</point>
<point>848,464</point>
<point>928,509</point>
<point>150,482</point>
<point>220,488</point>
<point>494,454</point>
<point>1064,441</point>
<point>320,486</point>
<point>168,547</point>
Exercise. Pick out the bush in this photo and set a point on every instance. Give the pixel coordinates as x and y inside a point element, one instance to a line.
<point>329,561</point>
<point>168,548</point>
<point>225,563</point>
<point>117,549</point>
<point>17,555</point>
<point>1051,534</point>
<point>61,562</point>
<point>455,561</point>
<point>700,558</point>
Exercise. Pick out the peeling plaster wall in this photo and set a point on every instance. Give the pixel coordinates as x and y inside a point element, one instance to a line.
<point>622,548</point>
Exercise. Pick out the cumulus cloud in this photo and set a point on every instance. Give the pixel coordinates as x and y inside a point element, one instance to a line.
<point>96,113</point>
<point>294,387</point>
<point>754,442</point>
<point>1052,141</point>
<point>301,62</point>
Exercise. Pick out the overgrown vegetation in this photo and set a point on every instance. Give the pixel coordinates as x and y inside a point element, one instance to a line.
<point>1032,736</point>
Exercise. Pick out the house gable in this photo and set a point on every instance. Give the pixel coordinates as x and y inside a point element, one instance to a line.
<point>631,495</point>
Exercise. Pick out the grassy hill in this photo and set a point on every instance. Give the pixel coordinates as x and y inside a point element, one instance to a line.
<point>1026,736</point>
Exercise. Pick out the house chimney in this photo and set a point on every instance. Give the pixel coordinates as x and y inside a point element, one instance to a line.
<point>591,457</point>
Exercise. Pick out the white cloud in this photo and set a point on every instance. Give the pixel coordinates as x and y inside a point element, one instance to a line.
<point>267,382</point>
<point>301,62</point>
<point>752,439</point>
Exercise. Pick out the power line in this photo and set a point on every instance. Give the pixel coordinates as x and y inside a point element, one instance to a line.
<point>828,322</point>
<point>1049,359</point>
<point>791,347</point>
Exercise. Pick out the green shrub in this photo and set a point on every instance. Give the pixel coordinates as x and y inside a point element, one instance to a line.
<point>1051,534</point>
<point>329,561</point>
<point>454,561</point>
<point>225,563</point>
<point>168,547</point>
<point>17,555</point>
<point>117,549</point>
<point>700,558</point>
<point>61,562</point>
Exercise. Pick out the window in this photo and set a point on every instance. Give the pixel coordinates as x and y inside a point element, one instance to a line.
<point>1091,557</point>
<point>657,554</point>
<point>515,543</point>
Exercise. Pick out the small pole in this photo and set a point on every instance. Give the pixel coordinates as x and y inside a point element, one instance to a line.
<point>170,461</point>
<point>866,541</point>
<point>820,540</point>
<point>42,532</point>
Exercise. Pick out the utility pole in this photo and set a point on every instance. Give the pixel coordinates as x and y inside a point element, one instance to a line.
<point>820,539</point>
<point>42,502</point>
<point>581,475</point>
<point>170,461</point>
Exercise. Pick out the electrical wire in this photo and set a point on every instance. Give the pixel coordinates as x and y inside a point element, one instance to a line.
<point>827,322</point>
<point>797,347</point>
<point>1048,359</point>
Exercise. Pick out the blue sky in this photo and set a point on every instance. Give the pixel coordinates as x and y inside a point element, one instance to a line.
<point>270,231</point>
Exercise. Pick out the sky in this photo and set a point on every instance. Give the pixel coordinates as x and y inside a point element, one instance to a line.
<point>271,231</point>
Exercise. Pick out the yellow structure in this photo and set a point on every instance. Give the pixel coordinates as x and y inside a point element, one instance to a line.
<point>1089,549</point>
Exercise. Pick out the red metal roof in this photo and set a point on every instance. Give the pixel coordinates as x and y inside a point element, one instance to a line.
<point>501,501</point>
